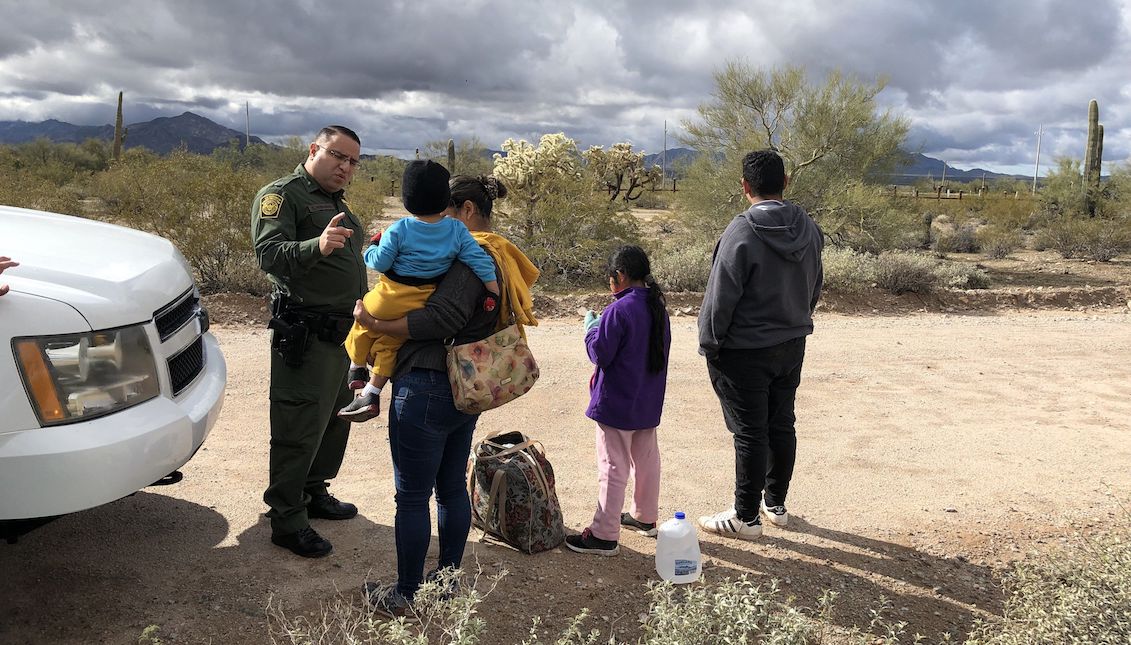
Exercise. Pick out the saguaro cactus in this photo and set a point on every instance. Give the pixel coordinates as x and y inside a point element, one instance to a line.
<point>451,156</point>
<point>1093,155</point>
<point>117,152</point>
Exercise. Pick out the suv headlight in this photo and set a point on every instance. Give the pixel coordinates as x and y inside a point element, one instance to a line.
<point>81,376</point>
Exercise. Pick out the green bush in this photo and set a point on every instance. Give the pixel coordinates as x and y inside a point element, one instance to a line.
<point>198,203</point>
<point>683,267</point>
<point>657,199</point>
<point>1077,595</point>
<point>865,219</point>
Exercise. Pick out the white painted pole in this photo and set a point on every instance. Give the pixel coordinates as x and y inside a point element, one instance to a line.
<point>1037,166</point>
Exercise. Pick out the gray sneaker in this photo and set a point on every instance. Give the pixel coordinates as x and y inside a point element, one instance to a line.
<point>361,409</point>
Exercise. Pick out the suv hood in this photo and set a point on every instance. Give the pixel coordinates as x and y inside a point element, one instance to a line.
<point>111,275</point>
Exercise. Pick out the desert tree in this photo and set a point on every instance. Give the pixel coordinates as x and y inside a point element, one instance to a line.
<point>830,132</point>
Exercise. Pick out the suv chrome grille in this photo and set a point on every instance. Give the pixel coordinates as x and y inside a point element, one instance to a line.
<point>186,365</point>
<point>175,315</point>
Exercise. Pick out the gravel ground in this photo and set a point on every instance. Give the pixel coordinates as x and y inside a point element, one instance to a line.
<point>933,450</point>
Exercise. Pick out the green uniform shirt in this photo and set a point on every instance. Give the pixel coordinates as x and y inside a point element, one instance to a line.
<point>287,218</point>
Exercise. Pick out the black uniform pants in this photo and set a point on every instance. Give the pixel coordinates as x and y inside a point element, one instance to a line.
<point>757,388</point>
<point>308,439</point>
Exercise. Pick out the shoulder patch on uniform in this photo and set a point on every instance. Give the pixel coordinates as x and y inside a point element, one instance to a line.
<point>269,205</point>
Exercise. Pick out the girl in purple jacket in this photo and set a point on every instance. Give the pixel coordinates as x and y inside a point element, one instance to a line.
<point>629,345</point>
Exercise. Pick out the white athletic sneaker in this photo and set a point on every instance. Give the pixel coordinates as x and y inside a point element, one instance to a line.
<point>777,515</point>
<point>727,524</point>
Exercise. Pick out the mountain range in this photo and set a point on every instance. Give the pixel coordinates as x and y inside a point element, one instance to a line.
<point>161,135</point>
<point>201,135</point>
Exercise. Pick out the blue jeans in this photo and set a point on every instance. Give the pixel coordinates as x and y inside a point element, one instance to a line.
<point>430,441</point>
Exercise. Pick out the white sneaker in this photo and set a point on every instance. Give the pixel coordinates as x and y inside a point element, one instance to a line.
<point>727,524</point>
<point>777,515</point>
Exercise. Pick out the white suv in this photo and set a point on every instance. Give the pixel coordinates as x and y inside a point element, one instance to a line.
<point>109,379</point>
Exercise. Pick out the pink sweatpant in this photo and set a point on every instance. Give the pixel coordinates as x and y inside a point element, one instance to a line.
<point>619,454</point>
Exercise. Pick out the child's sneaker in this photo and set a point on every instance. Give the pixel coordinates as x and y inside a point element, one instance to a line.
<point>587,543</point>
<point>649,530</point>
<point>359,376</point>
<point>727,524</point>
<point>777,515</point>
<point>362,409</point>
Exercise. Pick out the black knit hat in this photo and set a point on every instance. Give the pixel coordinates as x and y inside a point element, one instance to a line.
<point>424,188</point>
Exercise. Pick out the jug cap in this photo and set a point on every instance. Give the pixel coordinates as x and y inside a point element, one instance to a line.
<point>679,515</point>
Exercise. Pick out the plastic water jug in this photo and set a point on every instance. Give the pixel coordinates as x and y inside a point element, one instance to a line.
<point>677,551</point>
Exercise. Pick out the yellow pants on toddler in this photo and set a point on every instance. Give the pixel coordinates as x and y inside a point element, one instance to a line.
<point>387,300</point>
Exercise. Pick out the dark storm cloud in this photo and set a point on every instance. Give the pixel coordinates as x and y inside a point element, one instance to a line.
<point>972,76</point>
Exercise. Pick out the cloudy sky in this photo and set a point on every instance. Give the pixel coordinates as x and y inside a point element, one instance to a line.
<point>975,77</point>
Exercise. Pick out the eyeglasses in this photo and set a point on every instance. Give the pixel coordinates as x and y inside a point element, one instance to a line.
<point>342,158</point>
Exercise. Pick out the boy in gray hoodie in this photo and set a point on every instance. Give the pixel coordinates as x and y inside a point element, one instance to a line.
<point>765,281</point>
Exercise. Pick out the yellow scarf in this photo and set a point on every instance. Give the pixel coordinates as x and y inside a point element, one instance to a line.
<point>518,275</point>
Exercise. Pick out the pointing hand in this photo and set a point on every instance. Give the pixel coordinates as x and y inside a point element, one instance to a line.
<point>334,237</point>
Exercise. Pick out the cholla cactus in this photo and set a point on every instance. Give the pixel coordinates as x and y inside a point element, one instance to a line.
<point>620,171</point>
<point>525,166</point>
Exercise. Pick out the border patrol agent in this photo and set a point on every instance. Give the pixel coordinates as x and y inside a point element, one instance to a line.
<point>309,243</point>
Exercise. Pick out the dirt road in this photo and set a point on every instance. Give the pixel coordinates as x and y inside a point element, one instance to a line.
<point>933,449</point>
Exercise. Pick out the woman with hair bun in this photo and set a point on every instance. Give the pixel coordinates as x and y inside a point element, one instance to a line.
<point>429,439</point>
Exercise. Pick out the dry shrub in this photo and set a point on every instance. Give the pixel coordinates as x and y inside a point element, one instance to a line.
<point>998,242</point>
<point>906,273</point>
<point>848,271</point>
<point>683,267</point>
<point>960,239</point>
<point>897,272</point>
<point>1094,239</point>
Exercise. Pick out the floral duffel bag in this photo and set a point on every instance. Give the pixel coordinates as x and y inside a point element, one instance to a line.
<point>511,485</point>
